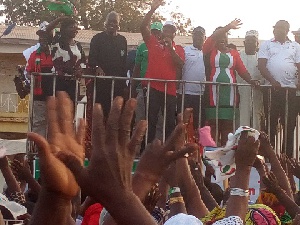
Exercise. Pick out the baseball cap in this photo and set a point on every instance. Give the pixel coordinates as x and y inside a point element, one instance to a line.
<point>253,33</point>
<point>42,27</point>
<point>156,26</point>
<point>296,32</point>
<point>170,23</point>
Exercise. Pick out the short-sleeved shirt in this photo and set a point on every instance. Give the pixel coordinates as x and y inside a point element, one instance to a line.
<point>142,58</point>
<point>193,70</point>
<point>62,61</point>
<point>281,60</point>
<point>161,65</point>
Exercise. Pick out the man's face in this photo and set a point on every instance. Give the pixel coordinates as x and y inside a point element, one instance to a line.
<point>43,40</point>
<point>169,32</point>
<point>251,44</point>
<point>112,25</point>
<point>198,39</point>
<point>280,30</point>
<point>156,33</point>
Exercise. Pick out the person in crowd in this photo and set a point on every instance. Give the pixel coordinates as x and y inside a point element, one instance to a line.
<point>194,70</point>
<point>108,53</point>
<point>222,63</point>
<point>40,61</point>
<point>250,102</point>
<point>165,61</point>
<point>278,62</point>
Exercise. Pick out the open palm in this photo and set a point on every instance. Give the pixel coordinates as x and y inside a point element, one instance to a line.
<point>56,177</point>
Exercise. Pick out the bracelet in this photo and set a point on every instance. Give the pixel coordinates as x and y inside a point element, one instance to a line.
<point>173,190</point>
<point>239,192</point>
<point>176,200</point>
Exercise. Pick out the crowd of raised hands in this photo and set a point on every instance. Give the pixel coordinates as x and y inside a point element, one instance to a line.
<point>169,185</point>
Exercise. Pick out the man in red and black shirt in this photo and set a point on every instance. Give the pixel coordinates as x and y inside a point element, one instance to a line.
<point>40,61</point>
<point>165,61</point>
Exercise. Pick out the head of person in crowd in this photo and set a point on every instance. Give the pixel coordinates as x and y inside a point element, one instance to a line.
<point>44,37</point>
<point>221,40</point>
<point>156,29</point>
<point>112,23</point>
<point>199,37</point>
<point>169,30</point>
<point>68,28</point>
<point>251,42</point>
<point>297,35</point>
<point>281,30</point>
<point>232,46</point>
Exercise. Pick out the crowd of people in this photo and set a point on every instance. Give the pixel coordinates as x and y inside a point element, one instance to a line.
<point>172,183</point>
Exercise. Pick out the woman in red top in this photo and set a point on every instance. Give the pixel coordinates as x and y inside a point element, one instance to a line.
<point>222,63</point>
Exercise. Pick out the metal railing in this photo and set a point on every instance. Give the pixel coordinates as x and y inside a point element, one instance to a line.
<point>281,128</point>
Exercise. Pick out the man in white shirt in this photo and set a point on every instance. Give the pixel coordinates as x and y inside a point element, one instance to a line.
<point>249,57</point>
<point>194,70</point>
<point>278,62</point>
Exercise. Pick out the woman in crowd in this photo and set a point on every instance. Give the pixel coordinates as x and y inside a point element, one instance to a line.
<point>222,63</point>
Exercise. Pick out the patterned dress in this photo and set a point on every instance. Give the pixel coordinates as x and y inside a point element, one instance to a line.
<point>222,68</point>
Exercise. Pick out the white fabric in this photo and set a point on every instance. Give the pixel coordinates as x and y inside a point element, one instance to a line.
<point>231,220</point>
<point>193,70</point>
<point>281,60</point>
<point>251,33</point>
<point>27,52</point>
<point>43,26</point>
<point>223,158</point>
<point>14,208</point>
<point>183,219</point>
<point>65,54</point>
<point>250,62</point>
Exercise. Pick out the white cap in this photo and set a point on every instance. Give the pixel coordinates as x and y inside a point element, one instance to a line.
<point>170,23</point>
<point>253,33</point>
<point>43,26</point>
<point>297,32</point>
<point>182,219</point>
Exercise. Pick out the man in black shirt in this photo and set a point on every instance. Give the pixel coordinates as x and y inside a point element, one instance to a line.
<point>108,52</point>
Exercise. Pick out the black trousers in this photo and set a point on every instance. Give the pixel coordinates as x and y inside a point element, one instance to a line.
<point>278,114</point>
<point>193,101</point>
<point>157,103</point>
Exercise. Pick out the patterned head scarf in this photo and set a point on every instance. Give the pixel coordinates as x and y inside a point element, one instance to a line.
<point>256,214</point>
<point>252,33</point>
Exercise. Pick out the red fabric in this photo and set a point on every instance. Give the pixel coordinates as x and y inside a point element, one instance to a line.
<point>46,62</point>
<point>92,215</point>
<point>161,66</point>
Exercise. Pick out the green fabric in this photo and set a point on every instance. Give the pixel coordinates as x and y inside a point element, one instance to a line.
<point>223,114</point>
<point>224,97</point>
<point>66,8</point>
<point>141,59</point>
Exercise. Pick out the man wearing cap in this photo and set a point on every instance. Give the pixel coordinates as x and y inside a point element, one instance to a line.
<point>165,61</point>
<point>193,70</point>
<point>249,57</point>
<point>40,60</point>
<point>278,62</point>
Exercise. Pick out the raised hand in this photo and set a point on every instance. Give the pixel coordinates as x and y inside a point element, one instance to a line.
<point>265,148</point>
<point>156,3</point>
<point>235,24</point>
<point>152,198</point>
<point>113,152</point>
<point>247,150</point>
<point>21,170</point>
<point>271,183</point>
<point>62,138</point>
<point>295,168</point>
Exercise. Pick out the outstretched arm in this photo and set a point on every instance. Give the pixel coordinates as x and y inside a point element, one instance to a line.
<point>145,26</point>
